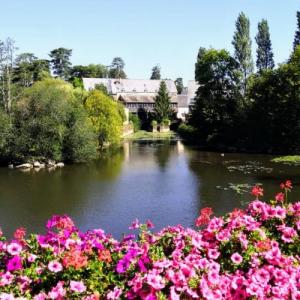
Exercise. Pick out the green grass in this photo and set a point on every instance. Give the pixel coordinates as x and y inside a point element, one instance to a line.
<point>289,159</point>
<point>145,135</point>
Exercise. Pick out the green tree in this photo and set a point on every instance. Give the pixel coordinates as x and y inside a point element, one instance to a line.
<point>155,73</point>
<point>264,47</point>
<point>89,71</point>
<point>102,88</point>
<point>297,33</point>
<point>217,103</point>
<point>242,48</point>
<point>273,123</point>
<point>134,118</point>
<point>117,68</point>
<point>162,105</point>
<point>105,116</point>
<point>46,123</point>
<point>5,134</point>
<point>80,139</point>
<point>41,69</point>
<point>23,71</point>
<point>60,61</point>
<point>179,85</point>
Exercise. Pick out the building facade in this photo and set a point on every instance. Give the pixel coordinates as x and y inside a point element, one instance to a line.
<point>138,94</point>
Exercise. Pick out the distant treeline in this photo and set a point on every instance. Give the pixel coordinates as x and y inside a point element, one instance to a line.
<point>238,109</point>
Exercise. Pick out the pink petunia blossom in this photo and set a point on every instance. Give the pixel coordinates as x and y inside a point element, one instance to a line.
<point>236,258</point>
<point>55,266</point>
<point>14,248</point>
<point>77,286</point>
<point>115,294</point>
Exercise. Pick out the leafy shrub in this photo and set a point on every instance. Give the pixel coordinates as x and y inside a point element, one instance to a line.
<point>135,121</point>
<point>48,122</point>
<point>106,116</point>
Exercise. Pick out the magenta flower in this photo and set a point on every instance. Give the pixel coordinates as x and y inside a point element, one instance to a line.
<point>77,286</point>
<point>236,258</point>
<point>14,264</point>
<point>55,266</point>
<point>135,224</point>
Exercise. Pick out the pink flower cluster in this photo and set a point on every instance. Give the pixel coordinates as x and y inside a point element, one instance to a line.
<point>247,254</point>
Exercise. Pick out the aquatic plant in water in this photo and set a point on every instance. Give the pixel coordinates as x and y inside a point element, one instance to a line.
<point>249,167</point>
<point>246,254</point>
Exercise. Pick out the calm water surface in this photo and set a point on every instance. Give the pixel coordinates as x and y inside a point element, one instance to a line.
<point>162,181</point>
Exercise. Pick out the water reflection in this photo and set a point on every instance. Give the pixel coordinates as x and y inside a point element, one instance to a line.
<point>166,182</point>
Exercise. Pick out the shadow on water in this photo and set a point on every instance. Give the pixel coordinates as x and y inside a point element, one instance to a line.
<point>30,198</point>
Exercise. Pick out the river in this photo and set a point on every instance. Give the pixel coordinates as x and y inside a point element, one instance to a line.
<point>163,181</point>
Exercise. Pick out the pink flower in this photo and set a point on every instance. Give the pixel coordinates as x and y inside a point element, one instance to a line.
<point>14,248</point>
<point>149,224</point>
<point>115,294</point>
<point>77,286</point>
<point>20,233</point>
<point>135,224</point>
<point>288,233</point>
<point>257,191</point>
<point>6,296</point>
<point>156,281</point>
<point>31,258</point>
<point>6,278</point>
<point>57,292</point>
<point>55,266</point>
<point>279,197</point>
<point>40,296</point>
<point>236,258</point>
<point>14,263</point>
<point>213,253</point>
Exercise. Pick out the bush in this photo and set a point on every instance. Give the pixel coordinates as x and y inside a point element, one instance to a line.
<point>46,123</point>
<point>187,132</point>
<point>153,123</point>
<point>106,117</point>
<point>135,121</point>
<point>166,122</point>
<point>247,254</point>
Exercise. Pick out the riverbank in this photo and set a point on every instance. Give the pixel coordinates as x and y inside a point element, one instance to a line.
<point>146,135</point>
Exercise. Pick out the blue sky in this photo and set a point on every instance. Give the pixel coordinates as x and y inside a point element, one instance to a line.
<point>143,32</point>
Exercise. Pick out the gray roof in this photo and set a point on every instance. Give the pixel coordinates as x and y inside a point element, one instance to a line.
<point>192,88</point>
<point>141,98</point>
<point>117,86</point>
<point>182,100</point>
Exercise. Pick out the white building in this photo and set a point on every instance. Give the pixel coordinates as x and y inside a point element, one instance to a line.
<point>140,93</point>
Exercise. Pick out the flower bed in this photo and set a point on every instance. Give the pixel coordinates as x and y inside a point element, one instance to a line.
<point>247,254</point>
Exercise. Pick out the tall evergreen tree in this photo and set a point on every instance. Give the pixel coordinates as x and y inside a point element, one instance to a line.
<point>162,105</point>
<point>117,68</point>
<point>297,33</point>
<point>242,48</point>
<point>60,60</point>
<point>155,72</point>
<point>179,85</point>
<point>264,47</point>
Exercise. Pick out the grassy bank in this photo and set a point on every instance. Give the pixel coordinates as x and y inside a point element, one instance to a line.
<point>145,135</point>
<point>288,159</point>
